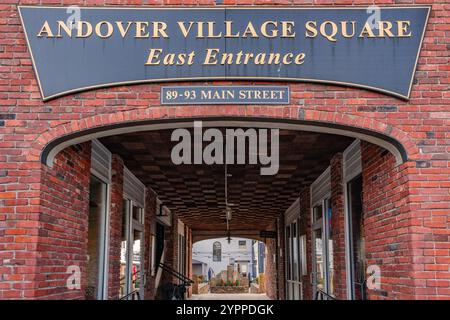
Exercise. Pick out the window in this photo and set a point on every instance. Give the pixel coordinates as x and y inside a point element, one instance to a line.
<point>303,255</point>
<point>329,250</point>
<point>131,272</point>
<point>294,247</point>
<point>242,244</point>
<point>288,252</point>
<point>323,255</point>
<point>217,251</point>
<point>137,214</point>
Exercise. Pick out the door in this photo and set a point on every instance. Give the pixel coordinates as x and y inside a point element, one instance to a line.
<point>294,285</point>
<point>132,271</point>
<point>318,274</point>
<point>293,263</point>
<point>137,241</point>
<point>322,257</point>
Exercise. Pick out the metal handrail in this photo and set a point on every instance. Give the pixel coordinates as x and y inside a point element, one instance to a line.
<point>132,293</point>
<point>186,281</point>
<point>324,294</point>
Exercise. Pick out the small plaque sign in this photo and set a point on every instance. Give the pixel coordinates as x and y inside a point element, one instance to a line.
<point>177,95</point>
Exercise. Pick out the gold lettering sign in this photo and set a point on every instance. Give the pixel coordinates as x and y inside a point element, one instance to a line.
<point>136,45</point>
<point>332,31</point>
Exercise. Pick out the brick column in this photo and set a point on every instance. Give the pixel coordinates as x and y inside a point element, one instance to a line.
<point>115,227</point>
<point>271,268</point>
<point>389,238</point>
<point>280,276</point>
<point>171,253</point>
<point>190,273</point>
<point>338,227</point>
<point>47,236</point>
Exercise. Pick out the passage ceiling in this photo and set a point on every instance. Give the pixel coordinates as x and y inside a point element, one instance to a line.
<point>196,192</point>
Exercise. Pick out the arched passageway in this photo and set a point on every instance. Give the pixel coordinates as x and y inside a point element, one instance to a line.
<point>180,204</point>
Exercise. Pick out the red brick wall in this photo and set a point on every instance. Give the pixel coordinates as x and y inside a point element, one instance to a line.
<point>274,264</point>
<point>63,222</point>
<point>270,269</point>
<point>171,255</point>
<point>115,227</point>
<point>414,196</point>
<point>338,226</point>
<point>41,242</point>
<point>391,239</point>
<point>280,272</point>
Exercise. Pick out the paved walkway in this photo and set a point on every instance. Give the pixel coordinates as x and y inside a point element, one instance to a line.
<point>230,296</point>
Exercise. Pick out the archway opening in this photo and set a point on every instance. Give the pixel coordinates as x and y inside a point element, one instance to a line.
<point>182,203</point>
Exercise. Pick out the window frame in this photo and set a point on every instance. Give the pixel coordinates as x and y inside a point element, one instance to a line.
<point>217,257</point>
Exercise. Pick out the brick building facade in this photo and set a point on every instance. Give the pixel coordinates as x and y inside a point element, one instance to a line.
<point>44,204</point>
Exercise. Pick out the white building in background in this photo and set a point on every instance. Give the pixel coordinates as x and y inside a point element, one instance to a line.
<point>213,256</point>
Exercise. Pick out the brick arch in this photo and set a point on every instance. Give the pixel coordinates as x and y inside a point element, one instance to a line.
<point>153,118</point>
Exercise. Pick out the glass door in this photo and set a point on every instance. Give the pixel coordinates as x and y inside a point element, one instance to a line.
<point>323,262</point>
<point>318,274</point>
<point>131,271</point>
<point>136,244</point>
<point>293,262</point>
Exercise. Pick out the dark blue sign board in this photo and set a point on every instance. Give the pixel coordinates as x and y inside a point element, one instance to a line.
<point>97,47</point>
<point>178,95</point>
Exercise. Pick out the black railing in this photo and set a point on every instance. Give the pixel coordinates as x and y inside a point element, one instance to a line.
<point>176,291</point>
<point>134,295</point>
<point>320,295</point>
<point>185,280</point>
